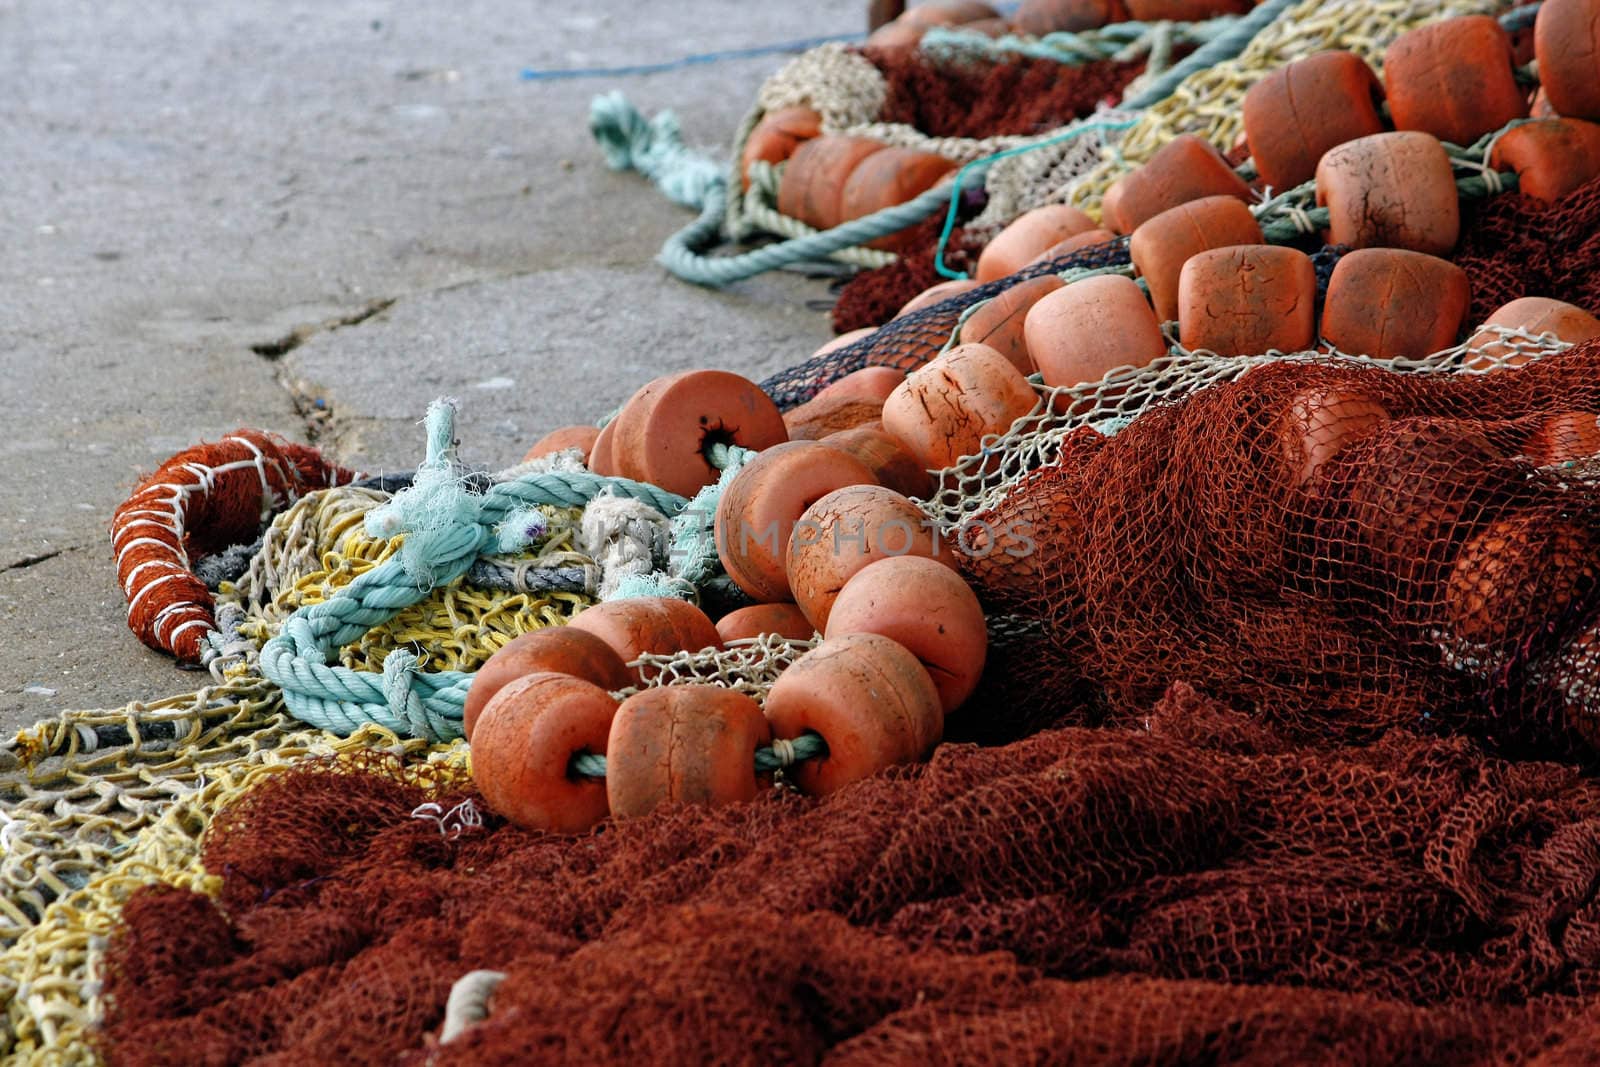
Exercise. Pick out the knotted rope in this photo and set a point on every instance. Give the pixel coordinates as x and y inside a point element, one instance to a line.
<point>446,526</point>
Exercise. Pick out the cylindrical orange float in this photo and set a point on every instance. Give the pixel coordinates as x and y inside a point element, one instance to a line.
<point>1391,303</point>
<point>1248,299</point>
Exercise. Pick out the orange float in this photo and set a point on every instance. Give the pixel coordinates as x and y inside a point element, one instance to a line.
<point>580,437</point>
<point>1320,423</point>
<point>554,649</point>
<point>999,322</point>
<point>869,699</point>
<point>776,137</point>
<point>1453,78</point>
<point>847,530</point>
<point>1564,438</point>
<point>1518,569</point>
<point>662,434</point>
<point>1163,244</point>
<point>1536,315</point>
<point>684,744</point>
<point>601,461</point>
<point>1389,303</point>
<point>886,457</point>
<point>1186,168</point>
<point>1184,10</point>
<point>1081,332</point>
<point>1075,243</point>
<point>1392,190</point>
<point>1039,17</point>
<point>759,508</point>
<point>1566,41</point>
<point>812,188</point>
<point>1298,112</point>
<point>1552,157</point>
<point>1027,236</point>
<point>937,294</point>
<point>658,625</point>
<point>887,178</point>
<point>523,747</point>
<point>925,606</point>
<point>785,620</point>
<point>1248,299</point>
<point>943,410</point>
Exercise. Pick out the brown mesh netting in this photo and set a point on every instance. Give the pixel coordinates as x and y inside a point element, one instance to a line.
<point>872,297</point>
<point>1429,574</point>
<point>1196,889</point>
<point>1513,246</point>
<point>986,99</point>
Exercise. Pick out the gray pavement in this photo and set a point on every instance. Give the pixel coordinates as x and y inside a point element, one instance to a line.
<point>181,185</point>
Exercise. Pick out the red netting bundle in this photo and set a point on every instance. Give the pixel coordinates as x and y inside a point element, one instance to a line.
<point>988,99</point>
<point>1514,246</point>
<point>872,297</point>
<point>1341,549</point>
<point>1196,889</point>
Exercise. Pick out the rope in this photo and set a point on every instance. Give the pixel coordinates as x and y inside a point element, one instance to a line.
<point>1120,41</point>
<point>1226,46</point>
<point>531,74</point>
<point>446,529</point>
<point>779,755</point>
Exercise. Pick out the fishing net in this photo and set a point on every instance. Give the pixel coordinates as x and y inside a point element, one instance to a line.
<point>1198,888</point>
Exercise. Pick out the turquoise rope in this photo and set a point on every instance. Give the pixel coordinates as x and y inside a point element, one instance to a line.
<point>1077,130</point>
<point>1114,41</point>
<point>446,529</point>
<point>806,746</point>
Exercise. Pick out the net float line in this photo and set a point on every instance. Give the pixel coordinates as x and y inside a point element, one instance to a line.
<point>199,501</point>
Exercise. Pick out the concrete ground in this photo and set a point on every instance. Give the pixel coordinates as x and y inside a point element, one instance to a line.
<point>367,193</point>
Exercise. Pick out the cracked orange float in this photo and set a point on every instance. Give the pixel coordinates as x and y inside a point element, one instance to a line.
<point>1298,112</point>
<point>684,744</point>
<point>1392,190</point>
<point>1390,303</point>
<point>869,699</point>
<point>943,411</point>
<point>1162,245</point>
<point>1248,299</point>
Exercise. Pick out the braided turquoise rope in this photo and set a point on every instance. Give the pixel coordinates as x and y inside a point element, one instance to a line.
<point>446,529</point>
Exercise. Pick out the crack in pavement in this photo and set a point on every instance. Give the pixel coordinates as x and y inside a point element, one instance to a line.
<point>282,346</point>
<point>40,557</point>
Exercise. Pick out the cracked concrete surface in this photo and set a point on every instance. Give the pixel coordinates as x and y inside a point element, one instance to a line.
<point>312,219</point>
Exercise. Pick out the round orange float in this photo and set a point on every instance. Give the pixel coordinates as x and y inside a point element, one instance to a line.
<point>1393,190</point>
<point>1453,78</point>
<point>776,137</point>
<point>1516,570</point>
<point>886,178</point>
<point>1081,332</point>
<point>1536,315</point>
<point>523,747</point>
<point>1389,303</point>
<point>659,625</point>
<point>1552,157</point>
<point>1322,421</point>
<point>1186,168</point>
<point>943,410</point>
<point>886,457</point>
<point>998,323</point>
<point>1300,111</point>
<point>812,188</point>
<point>580,437</point>
<point>554,649</point>
<point>759,508</point>
<point>662,434</point>
<point>1564,438</point>
<point>847,530</point>
<point>937,294</point>
<point>684,744</point>
<point>785,620</point>
<point>1248,299</point>
<point>1075,243</point>
<point>870,700</point>
<point>1163,244</point>
<point>1566,41</point>
<point>925,606</point>
<point>1028,235</point>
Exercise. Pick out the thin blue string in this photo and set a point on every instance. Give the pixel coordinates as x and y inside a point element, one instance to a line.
<point>530,74</point>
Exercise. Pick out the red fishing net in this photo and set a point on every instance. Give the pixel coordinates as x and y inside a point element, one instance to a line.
<point>1514,246</point>
<point>1286,758</point>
